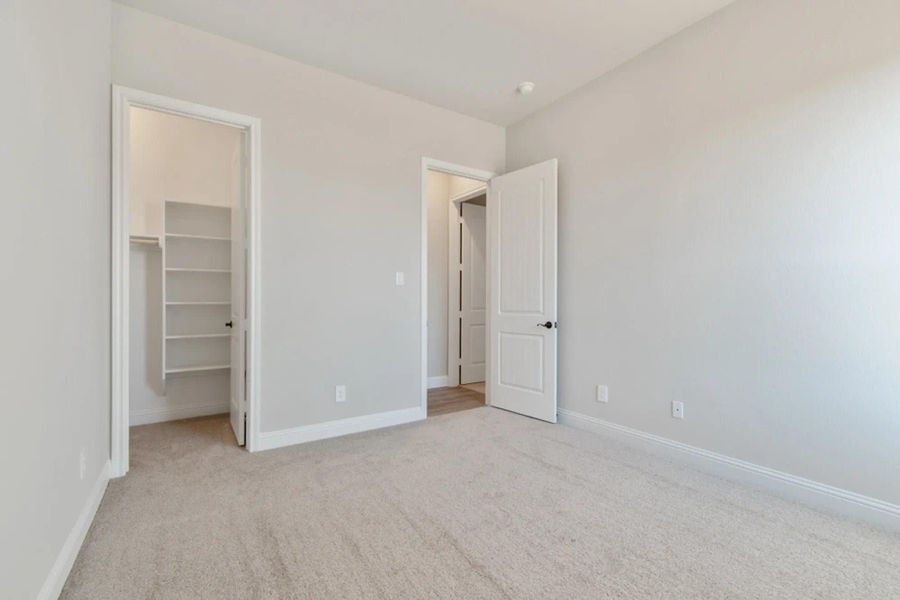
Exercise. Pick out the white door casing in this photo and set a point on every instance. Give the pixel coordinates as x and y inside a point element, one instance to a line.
<point>473,295</point>
<point>237,404</point>
<point>123,99</point>
<point>522,259</point>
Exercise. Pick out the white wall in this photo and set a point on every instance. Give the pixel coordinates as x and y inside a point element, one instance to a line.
<point>176,158</point>
<point>341,211</point>
<point>729,233</point>
<point>171,158</point>
<point>55,277</point>
<point>462,185</point>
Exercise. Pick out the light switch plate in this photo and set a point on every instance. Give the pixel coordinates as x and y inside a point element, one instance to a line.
<point>602,393</point>
<point>400,278</point>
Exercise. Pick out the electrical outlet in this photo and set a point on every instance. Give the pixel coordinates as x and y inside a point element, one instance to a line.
<point>399,278</point>
<point>602,393</point>
<point>82,464</point>
<point>340,393</point>
<point>677,409</point>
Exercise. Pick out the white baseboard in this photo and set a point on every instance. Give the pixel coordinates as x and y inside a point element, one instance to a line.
<point>320,431</point>
<point>56,579</point>
<point>812,493</point>
<point>439,381</point>
<point>173,413</point>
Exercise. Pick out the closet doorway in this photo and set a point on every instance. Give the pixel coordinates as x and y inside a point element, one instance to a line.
<point>185,251</point>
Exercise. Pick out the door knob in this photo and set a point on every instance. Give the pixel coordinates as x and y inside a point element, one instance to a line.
<point>229,324</point>
<point>548,324</point>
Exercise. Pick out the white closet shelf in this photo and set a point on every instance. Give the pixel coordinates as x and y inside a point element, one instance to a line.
<point>200,303</point>
<point>196,271</point>
<point>199,369</point>
<point>198,204</point>
<point>191,236</point>
<point>191,270</point>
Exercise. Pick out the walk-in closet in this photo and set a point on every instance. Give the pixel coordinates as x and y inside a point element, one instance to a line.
<point>185,189</point>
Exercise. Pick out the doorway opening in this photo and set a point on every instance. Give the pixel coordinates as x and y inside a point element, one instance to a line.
<point>457,286</point>
<point>498,327</point>
<point>185,295</point>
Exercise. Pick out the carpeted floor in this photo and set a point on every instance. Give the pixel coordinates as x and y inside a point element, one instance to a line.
<point>474,504</point>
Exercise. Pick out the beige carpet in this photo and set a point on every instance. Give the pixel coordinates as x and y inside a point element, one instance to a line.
<point>475,504</point>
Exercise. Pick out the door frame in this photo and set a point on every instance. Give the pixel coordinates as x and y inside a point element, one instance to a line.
<point>453,339</point>
<point>433,164</point>
<point>124,98</point>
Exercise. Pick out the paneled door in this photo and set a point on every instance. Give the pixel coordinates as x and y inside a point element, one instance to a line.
<point>473,295</point>
<point>522,266</point>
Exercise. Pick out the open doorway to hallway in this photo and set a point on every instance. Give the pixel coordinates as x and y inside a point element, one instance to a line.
<point>516,353</point>
<point>457,292</point>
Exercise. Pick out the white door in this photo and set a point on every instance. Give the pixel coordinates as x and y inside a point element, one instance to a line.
<point>522,266</point>
<point>238,407</point>
<point>473,295</point>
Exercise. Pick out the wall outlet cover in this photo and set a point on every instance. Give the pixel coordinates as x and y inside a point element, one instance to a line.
<point>602,393</point>
<point>340,393</point>
<point>678,409</point>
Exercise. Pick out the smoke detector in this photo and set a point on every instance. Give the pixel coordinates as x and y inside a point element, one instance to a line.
<point>525,88</point>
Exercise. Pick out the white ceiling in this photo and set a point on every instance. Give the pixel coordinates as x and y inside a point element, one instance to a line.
<point>464,55</point>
